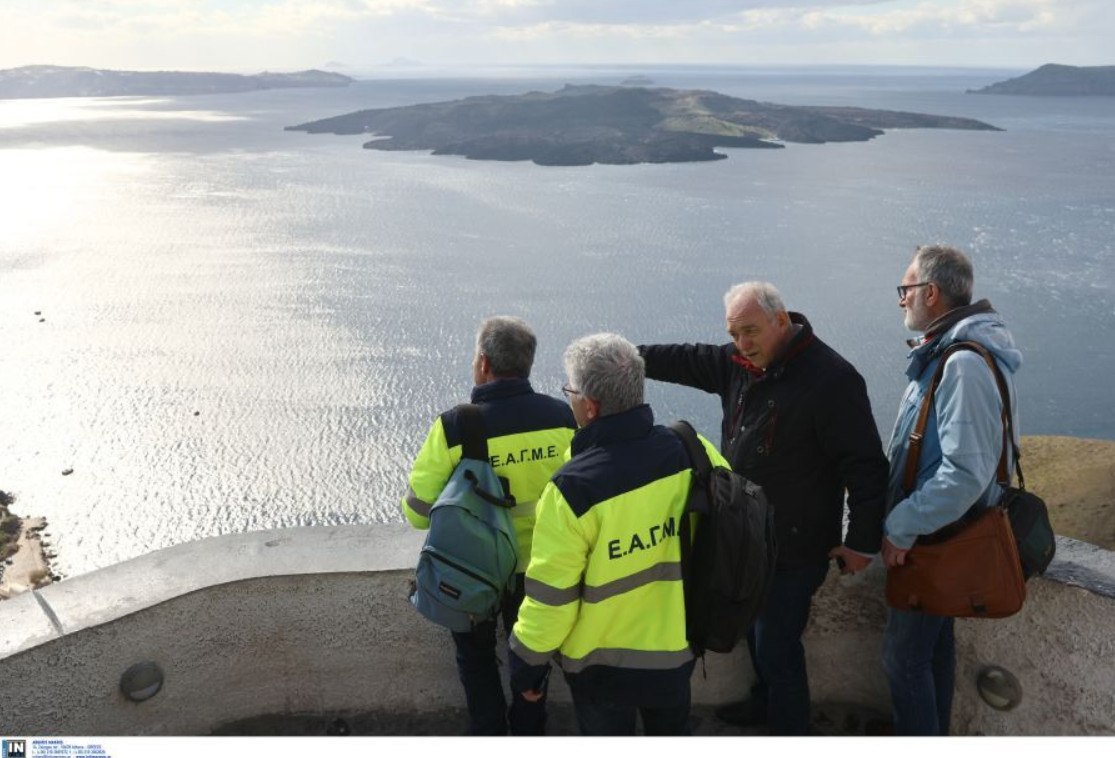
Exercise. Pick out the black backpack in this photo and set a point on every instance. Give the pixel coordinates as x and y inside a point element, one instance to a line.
<point>728,565</point>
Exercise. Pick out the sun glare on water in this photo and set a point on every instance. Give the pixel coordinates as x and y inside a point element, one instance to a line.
<point>46,189</point>
<point>21,113</point>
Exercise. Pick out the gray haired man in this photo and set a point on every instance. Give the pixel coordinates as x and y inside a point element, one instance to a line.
<point>603,589</point>
<point>528,434</point>
<point>962,442</point>
<point>797,421</point>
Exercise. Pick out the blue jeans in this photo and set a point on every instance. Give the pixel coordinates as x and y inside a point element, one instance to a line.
<point>478,669</point>
<point>919,658</point>
<point>777,654</point>
<point>603,719</point>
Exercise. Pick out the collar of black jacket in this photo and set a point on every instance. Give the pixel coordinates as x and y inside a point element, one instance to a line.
<point>946,322</point>
<point>631,424</point>
<point>500,388</point>
<point>802,338</point>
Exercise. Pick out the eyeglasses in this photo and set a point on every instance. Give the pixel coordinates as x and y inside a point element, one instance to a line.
<point>569,391</point>
<point>904,289</point>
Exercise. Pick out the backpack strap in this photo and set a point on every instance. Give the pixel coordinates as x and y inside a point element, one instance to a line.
<point>696,502</point>
<point>913,453</point>
<point>698,456</point>
<point>474,445</point>
<point>474,437</point>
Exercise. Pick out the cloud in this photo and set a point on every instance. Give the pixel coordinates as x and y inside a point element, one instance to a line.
<point>271,33</point>
<point>706,28</point>
<point>321,16</point>
<point>987,15</point>
<point>505,13</point>
<point>819,19</point>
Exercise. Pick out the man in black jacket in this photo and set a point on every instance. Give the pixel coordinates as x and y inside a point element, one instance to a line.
<point>797,421</point>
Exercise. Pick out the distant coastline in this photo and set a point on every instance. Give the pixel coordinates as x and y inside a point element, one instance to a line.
<point>69,81</point>
<point>1053,79</point>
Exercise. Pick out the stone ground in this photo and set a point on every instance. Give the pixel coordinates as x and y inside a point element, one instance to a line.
<point>829,720</point>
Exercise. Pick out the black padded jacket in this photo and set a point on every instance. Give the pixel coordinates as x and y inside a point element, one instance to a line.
<point>803,430</point>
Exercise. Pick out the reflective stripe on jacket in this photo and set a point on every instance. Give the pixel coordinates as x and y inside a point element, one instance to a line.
<point>603,588</point>
<point>528,437</point>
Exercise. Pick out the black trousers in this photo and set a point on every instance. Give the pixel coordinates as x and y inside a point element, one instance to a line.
<point>478,668</point>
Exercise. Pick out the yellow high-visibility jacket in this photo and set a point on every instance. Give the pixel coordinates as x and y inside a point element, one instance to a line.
<point>528,438</point>
<point>603,589</point>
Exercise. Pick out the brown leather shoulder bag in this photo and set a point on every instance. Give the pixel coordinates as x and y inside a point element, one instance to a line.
<point>970,567</point>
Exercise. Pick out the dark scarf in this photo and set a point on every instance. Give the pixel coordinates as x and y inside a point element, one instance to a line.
<point>947,321</point>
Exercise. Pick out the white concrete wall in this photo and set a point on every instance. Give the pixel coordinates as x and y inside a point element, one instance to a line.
<point>1060,647</point>
<point>316,621</point>
<point>310,620</point>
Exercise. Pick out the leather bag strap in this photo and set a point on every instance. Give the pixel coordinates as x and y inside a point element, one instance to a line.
<point>917,436</point>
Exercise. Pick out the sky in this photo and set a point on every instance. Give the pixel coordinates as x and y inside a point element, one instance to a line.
<point>354,36</point>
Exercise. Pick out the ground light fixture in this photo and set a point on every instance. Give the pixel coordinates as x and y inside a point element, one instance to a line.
<point>141,681</point>
<point>999,688</point>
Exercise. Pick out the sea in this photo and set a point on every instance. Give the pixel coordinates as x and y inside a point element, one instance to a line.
<point>211,325</point>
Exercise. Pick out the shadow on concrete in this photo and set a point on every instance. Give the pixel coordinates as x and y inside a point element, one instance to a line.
<point>829,720</point>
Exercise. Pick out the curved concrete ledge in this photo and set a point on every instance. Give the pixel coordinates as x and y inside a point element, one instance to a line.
<point>316,621</point>
<point>126,588</point>
<point>293,621</point>
<point>1083,565</point>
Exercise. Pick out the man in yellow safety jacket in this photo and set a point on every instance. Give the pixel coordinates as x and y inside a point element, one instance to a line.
<point>603,590</point>
<point>528,436</point>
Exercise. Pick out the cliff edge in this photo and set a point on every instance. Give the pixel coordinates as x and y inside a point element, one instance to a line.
<point>1076,478</point>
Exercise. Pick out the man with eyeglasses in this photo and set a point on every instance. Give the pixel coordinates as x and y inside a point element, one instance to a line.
<point>528,434</point>
<point>797,420</point>
<point>604,590</point>
<point>960,453</point>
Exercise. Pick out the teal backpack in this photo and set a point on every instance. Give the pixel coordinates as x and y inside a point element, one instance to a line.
<point>468,562</point>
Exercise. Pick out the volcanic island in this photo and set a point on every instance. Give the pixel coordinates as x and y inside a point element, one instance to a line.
<point>579,125</point>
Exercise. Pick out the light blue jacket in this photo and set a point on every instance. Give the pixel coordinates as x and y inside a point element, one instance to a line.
<point>964,432</point>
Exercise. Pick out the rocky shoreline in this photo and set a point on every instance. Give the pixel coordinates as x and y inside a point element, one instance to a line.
<point>24,559</point>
